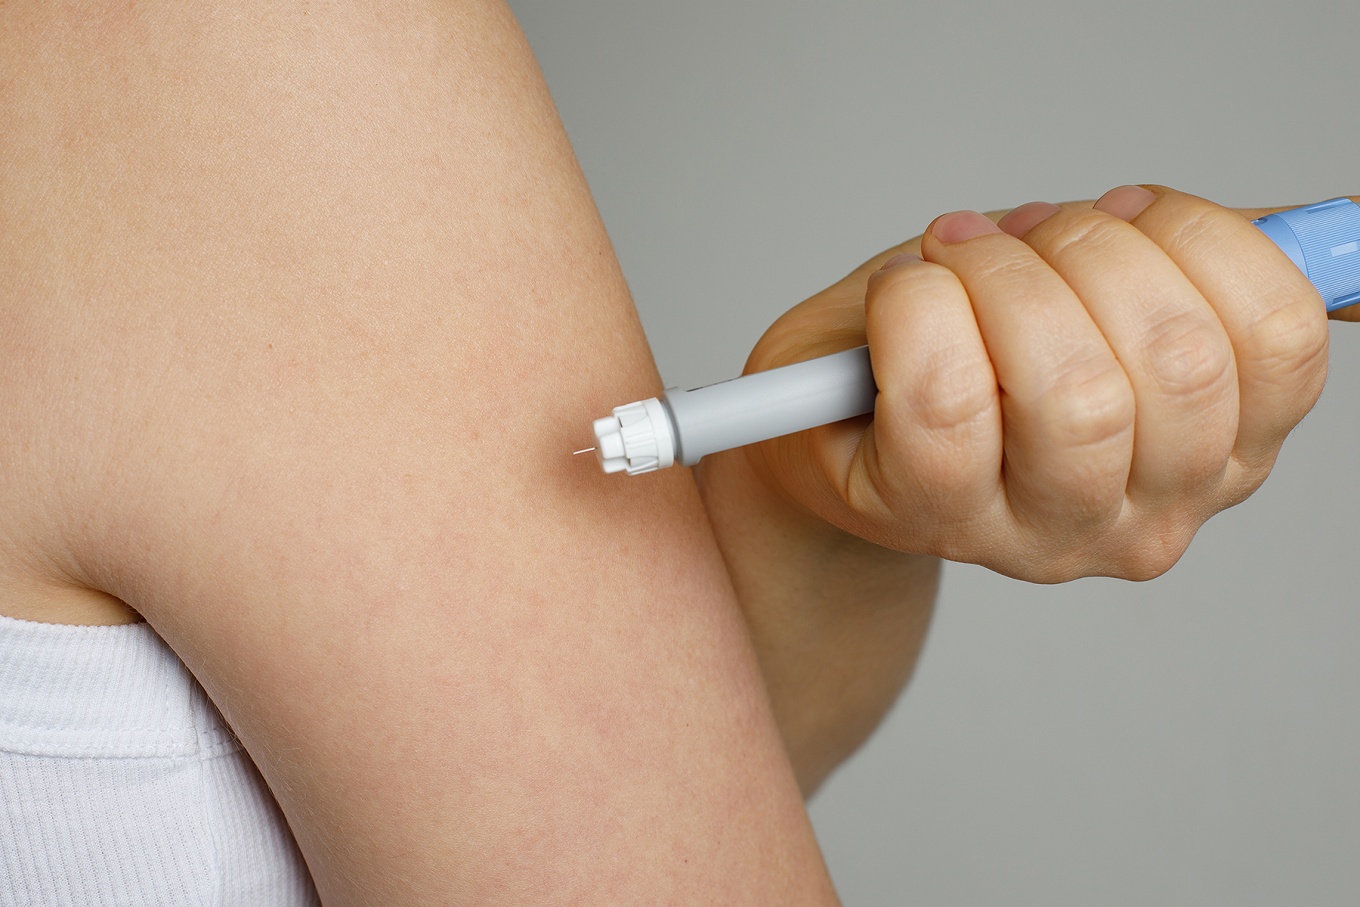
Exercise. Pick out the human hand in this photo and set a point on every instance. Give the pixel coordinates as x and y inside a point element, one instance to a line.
<point>1073,392</point>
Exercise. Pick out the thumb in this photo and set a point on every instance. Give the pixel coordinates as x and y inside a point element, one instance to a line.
<point>812,468</point>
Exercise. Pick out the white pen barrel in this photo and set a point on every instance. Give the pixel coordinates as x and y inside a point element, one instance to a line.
<point>768,404</point>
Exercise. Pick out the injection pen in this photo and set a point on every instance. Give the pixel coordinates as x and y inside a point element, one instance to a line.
<point>684,426</point>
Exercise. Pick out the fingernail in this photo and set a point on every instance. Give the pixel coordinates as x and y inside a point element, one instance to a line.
<point>900,258</point>
<point>961,226</point>
<point>1126,202</point>
<point>1025,218</point>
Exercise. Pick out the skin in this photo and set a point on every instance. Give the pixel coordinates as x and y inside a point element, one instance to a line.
<point>1094,389</point>
<point>298,334</point>
<point>279,326</point>
<point>1065,390</point>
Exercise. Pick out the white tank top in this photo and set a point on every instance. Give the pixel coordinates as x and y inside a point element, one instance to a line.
<point>121,784</point>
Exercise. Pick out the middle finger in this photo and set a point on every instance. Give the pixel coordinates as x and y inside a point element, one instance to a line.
<point>1170,341</point>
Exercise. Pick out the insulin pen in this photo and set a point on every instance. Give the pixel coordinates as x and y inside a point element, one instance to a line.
<point>684,426</point>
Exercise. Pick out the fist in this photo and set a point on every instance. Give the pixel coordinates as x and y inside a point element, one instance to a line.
<point>1070,391</point>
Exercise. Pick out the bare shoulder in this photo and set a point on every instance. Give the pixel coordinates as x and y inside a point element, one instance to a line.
<point>304,309</point>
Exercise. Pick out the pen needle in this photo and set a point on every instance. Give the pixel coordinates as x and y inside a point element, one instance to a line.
<point>575,453</point>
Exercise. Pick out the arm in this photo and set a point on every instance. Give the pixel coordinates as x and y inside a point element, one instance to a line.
<point>316,292</point>
<point>837,622</point>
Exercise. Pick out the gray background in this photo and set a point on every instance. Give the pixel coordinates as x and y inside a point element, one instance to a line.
<point>1192,740</point>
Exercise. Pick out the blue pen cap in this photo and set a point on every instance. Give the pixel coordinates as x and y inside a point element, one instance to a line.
<point>1324,241</point>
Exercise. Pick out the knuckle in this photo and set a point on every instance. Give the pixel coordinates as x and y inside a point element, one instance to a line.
<point>1079,233</point>
<point>1247,481</point>
<point>897,283</point>
<point>1088,402</point>
<point>1186,355</point>
<point>1154,554</point>
<point>953,391</point>
<point>1154,538</point>
<point>1136,549</point>
<point>1201,234</point>
<point>1287,347</point>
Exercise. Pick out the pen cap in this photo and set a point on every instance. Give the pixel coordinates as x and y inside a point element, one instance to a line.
<point>1324,241</point>
<point>635,438</point>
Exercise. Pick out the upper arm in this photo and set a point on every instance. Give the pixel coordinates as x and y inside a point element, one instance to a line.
<point>317,304</point>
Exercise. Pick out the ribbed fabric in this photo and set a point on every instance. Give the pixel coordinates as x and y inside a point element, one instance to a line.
<point>120,784</point>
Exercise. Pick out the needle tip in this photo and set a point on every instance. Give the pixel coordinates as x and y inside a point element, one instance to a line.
<point>576,453</point>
